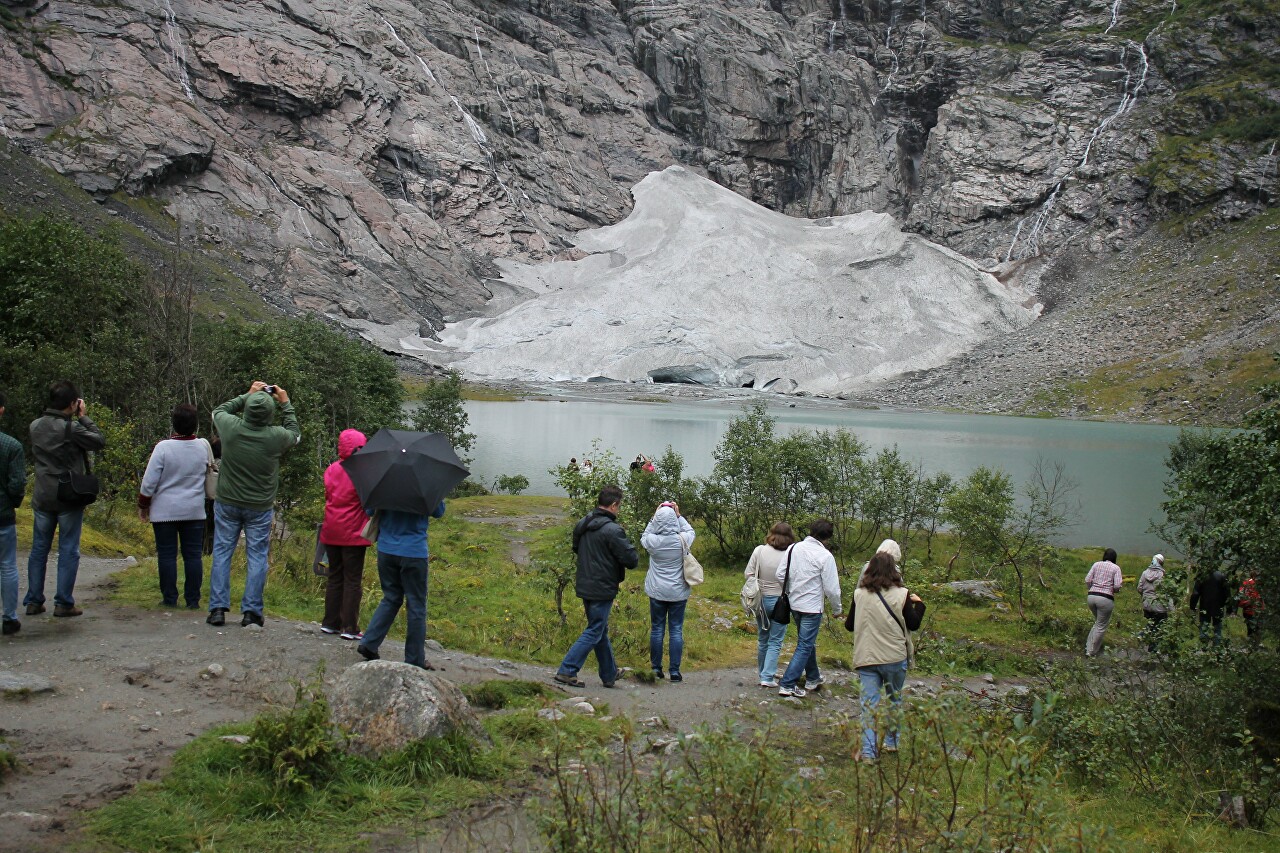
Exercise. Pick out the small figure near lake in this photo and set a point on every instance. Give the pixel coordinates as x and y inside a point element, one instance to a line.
<point>13,485</point>
<point>667,537</point>
<point>604,555</point>
<point>808,574</point>
<point>248,478</point>
<point>1156,602</point>
<point>763,568</point>
<point>1209,598</point>
<point>172,497</point>
<point>61,439</point>
<point>882,616</point>
<point>1103,582</point>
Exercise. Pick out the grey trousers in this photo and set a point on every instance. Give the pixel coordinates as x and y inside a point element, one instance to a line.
<point>1101,608</point>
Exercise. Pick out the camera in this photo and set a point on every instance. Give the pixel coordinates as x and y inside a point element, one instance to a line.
<point>270,389</point>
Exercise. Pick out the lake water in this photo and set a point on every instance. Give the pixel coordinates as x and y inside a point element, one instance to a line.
<point>1119,468</point>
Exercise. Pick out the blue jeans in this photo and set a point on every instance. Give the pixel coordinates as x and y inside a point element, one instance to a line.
<point>191,535</point>
<point>68,527</point>
<point>9,571</point>
<point>595,637</point>
<point>889,678</point>
<point>404,581</point>
<point>805,660</point>
<point>769,637</point>
<point>228,521</point>
<point>662,614</point>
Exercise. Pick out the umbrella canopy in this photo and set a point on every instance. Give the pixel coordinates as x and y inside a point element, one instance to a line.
<point>405,471</point>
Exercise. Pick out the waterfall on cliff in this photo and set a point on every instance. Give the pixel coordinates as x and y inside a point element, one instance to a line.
<point>177,51</point>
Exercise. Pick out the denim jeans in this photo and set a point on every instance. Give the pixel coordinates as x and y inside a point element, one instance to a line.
<point>662,614</point>
<point>595,637</point>
<point>886,678</point>
<point>769,639</point>
<point>9,571</point>
<point>805,660</point>
<point>191,535</point>
<point>228,521</point>
<point>68,527</point>
<point>404,581</point>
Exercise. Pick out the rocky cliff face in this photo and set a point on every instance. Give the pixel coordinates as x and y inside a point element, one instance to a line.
<point>371,160</point>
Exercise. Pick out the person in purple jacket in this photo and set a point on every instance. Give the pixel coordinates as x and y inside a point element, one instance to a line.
<point>1103,581</point>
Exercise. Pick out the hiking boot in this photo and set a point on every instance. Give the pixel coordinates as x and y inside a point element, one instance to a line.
<point>368,653</point>
<point>251,617</point>
<point>797,691</point>
<point>11,626</point>
<point>814,686</point>
<point>609,684</point>
<point>217,616</point>
<point>568,680</point>
<point>33,609</point>
<point>658,674</point>
<point>66,610</point>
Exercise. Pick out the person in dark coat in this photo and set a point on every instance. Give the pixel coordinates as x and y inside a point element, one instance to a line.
<point>604,555</point>
<point>1210,596</point>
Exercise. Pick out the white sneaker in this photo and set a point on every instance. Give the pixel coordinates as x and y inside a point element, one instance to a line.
<point>768,684</point>
<point>327,630</point>
<point>811,686</point>
<point>796,691</point>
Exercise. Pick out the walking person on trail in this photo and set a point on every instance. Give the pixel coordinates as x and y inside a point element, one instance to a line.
<point>61,439</point>
<point>13,486</point>
<point>808,574</point>
<point>171,497</point>
<point>604,555</point>
<point>667,537</point>
<point>882,616</point>
<point>763,568</point>
<point>402,571</point>
<point>344,518</point>
<point>1156,602</point>
<point>1103,582</point>
<point>1209,598</point>
<point>248,478</point>
<point>894,550</point>
<point>1248,599</point>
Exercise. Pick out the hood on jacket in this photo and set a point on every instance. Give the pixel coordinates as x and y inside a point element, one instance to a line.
<point>665,522</point>
<point>891,548</point>
<point>598,518</point>
<point>349,441</point>
<point>259,409</point>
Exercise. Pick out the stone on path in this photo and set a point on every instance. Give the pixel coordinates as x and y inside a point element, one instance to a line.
<point>23,682</point>
<point>384,706</point>
<point>975,589</point>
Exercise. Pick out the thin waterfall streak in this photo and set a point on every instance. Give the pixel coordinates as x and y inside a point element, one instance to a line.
<point>494,80</point>
<point>1008,256</point>
<point>1115,16</point>
<point>177,50</point>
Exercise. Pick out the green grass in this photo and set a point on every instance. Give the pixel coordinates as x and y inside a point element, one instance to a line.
<point>215,797</point>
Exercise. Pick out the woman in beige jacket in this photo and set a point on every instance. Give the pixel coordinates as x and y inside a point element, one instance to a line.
<point>882,617</point>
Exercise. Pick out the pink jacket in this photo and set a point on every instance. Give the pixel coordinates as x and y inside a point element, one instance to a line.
<point>343,515</point>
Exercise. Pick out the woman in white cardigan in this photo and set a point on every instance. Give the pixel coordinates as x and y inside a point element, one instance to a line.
<point>882,617</point>
<point>171,497</point>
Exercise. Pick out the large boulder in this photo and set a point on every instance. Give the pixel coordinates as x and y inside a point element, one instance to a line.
<point>384,706</point>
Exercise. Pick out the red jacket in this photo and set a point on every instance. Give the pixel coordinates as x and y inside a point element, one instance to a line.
<point>343,515</point>
<point>1249,599</point>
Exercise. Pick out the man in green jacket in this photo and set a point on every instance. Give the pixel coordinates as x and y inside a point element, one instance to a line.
<point>248,477</point>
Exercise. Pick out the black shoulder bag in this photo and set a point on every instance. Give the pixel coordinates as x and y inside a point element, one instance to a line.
<point>781,612</point>
<point>77,489</point>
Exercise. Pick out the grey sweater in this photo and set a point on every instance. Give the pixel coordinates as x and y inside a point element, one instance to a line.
<point>174,479</point>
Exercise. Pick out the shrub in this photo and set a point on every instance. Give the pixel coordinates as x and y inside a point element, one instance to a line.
<point>296,747</point>
<point>512,484</point>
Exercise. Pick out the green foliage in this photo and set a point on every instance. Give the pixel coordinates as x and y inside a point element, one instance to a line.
<point>440,410</point>
<point>296,748</point>
<point>499,694</point>
<point>512,484</point>
<point>1222,493</point>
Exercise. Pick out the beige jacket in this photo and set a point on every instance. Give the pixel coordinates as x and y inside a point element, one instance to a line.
<point>878,637</point>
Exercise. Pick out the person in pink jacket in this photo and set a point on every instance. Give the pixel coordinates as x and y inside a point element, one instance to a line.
<point>344,517</point>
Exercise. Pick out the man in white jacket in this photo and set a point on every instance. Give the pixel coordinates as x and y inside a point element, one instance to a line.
<point>808,573</point>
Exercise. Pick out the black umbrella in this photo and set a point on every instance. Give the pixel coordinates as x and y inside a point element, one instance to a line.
<point>405,471</point>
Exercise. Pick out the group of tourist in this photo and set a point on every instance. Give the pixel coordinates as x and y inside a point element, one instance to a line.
<point>800,574</point>
<point>1211,598</point>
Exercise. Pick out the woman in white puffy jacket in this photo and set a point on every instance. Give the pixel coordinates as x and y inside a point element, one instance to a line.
<point>667,537</point>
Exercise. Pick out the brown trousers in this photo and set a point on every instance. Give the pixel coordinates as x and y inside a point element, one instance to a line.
<point>343,589</point>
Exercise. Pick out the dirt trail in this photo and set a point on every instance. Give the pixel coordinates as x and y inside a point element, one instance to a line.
<point>131,687</point>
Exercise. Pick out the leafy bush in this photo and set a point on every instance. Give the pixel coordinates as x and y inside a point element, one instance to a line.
<point>500,694</point>
<point>297,748</point>
<point>512,484</point>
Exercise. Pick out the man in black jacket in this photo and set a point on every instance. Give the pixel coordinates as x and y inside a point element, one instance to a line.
<point>1210,596</point>
<point>604,555</point>
<point>13,484</point>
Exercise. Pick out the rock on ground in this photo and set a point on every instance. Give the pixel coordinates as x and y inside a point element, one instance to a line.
<point>384,706</point>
